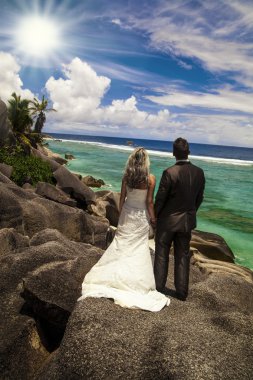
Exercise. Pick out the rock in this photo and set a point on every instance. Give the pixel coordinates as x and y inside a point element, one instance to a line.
<point>53,164</point>
<point>92,182</point>
<point>59,159</point>
<point>212,246</point>
<point>79,176</point>
<point>4,179</point>
<point>6,134</point>
<point>107,206</point>
<point>46,235</point>
<point>55,156</point>
<point>6,170</point>
<point>43,149</point>
<point>69,156</point>
<point>29,214</point>
<point>49,277</point>
<point>101,193</point>
<point>55,194</point>
<point>215,266</point>
<point>28,187</point>
<point>112,207</point>
<point>71,185</point>
<point>207,337</point>
<point>12,241</point>
<point>11,212</point>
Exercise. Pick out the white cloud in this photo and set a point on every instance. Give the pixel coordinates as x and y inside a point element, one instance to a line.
<point>216,34</point>
<point>10,80</point>
<point>80,93</point>
<point>215,129</point>
<point>217,99</point>
<point>78,98</point>
<point>116,21</point>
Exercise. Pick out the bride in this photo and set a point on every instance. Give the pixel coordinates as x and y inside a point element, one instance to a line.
<point>125,271</point>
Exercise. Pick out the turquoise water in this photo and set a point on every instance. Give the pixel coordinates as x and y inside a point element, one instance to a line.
<point>227,209</point>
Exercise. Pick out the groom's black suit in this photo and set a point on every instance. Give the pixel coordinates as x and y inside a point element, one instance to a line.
<point>178,198</point>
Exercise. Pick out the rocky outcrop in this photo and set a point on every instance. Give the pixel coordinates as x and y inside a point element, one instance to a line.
<point>71,185</point>
<point>69,156</point>
<point>46,249</point>
<point>54,156</point>
<point>92,182</point>
<point>28,213</point>
<point>32,321</point>
<point>6,169</point>
<point>107,205</point>
<point>212,246</point>
<point>55,194</point>
<point>68,182</point>
<point>207,337</point>
<point>41,154</point>
<point>11,241</point>
<point>6,134</point>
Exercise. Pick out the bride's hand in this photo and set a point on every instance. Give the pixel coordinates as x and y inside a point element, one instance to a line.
<point>153,222</point>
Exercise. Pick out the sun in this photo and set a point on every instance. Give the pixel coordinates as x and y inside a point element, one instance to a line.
<point>37,36</point>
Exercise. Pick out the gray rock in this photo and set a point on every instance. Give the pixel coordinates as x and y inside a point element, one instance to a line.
<point>71,185</point>
<point>92,182</point>
<point>101,193</point>
<point>49,278</point>
<point>6,170</point>
<point>4,179</point>
<point>6,134</point>
<point>29,214</point>
<point>69,156</point>
<point>212,246</point>
<point>55,194</point>
<point>11,212</point>
<point>28,187</point>
<point>12,241</point>
<point>107,206</point>
<point>60,160</point>
<point>38,153</point>
<point>207,337</point>
<point>46,235</point>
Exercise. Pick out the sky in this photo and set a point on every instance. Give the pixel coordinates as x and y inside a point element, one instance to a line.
<point>155,69</point>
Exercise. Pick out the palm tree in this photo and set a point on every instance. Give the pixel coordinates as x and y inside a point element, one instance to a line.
<point>19,114</point>
<point>38,109</point>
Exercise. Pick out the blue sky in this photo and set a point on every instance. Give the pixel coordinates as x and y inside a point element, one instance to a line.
<point>148,69</point>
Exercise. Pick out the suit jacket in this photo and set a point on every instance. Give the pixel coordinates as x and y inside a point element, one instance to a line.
<point>179,196</point>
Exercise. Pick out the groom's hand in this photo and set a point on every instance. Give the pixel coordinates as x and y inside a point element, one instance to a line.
<point>153,222</point>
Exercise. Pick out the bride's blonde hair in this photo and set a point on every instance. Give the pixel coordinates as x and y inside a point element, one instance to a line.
<point>137,168</point>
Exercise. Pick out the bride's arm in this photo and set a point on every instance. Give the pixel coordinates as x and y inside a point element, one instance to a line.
<point>122,195</point>
<point>150,199</point>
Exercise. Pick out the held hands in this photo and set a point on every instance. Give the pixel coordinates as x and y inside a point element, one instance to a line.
<point>153,222</point>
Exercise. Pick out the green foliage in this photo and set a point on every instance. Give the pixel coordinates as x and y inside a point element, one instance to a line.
<point>38,110</point>
<point>19,114</point>
<point>26,168</point>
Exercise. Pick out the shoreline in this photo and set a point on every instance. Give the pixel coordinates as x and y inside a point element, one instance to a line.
<point>159,153</point>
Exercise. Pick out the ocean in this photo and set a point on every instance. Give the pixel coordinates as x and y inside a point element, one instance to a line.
<point>227,209</point>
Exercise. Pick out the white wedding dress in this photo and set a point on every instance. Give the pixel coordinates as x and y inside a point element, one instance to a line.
<point>125,271</point>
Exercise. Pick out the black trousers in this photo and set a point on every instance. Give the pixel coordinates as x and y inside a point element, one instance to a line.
<point>181,242</point>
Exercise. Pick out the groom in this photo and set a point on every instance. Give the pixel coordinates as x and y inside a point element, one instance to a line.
<point>178,198</point>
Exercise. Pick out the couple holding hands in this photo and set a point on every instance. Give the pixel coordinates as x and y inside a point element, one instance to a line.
<point>125,272</point>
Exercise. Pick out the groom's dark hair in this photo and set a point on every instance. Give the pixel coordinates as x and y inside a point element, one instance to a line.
<point>181,148</point>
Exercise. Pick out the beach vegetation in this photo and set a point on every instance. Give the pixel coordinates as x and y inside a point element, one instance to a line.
<point>19,114</point>
<point>39,109</point>
<point>22,113</point>
<point>26,168</point>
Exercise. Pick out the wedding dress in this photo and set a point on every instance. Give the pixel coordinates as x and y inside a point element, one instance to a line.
<point>125,271</point>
